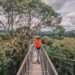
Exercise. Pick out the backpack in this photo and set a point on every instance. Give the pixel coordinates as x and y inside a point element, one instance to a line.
<point>37,43</point>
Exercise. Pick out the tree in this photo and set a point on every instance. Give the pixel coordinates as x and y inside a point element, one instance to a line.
<point>31,8</point>
<point>8,6</point>
<point>59,30</point>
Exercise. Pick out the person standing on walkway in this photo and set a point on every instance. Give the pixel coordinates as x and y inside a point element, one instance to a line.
<point>37,45</point>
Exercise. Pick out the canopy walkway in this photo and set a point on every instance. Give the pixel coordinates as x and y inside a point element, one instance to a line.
<point>28,67</point>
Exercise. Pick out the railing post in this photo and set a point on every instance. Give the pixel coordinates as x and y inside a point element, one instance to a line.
<point>29,63</point>
<point>73,68</point>
<point>45,64</point>
<point>26,68</point>
<point>49,67</point>
<point>42,62</point>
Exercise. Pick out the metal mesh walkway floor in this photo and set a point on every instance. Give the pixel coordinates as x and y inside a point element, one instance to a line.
<point>36,69</point>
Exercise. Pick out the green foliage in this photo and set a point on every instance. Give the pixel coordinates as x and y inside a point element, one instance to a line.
<point>62,57</point>
<point>59,32</point>
<point>48,41</point>
<point>10,60</point>
<point>12,52</point>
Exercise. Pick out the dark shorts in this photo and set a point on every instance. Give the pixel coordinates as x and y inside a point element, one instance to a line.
<point>38,48</point>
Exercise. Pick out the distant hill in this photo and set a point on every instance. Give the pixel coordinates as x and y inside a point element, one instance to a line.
<point>70,33</point>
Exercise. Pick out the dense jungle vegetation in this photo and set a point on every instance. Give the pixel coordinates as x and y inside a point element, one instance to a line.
<point>62,54</point>
<point>14,44</point>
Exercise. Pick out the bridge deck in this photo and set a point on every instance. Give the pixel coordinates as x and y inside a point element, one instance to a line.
<point>30,66</point>
<point>36,68</point>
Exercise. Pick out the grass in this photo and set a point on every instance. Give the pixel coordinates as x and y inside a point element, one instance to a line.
<point>68,43</point>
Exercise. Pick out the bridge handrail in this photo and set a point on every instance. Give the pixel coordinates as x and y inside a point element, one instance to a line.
<point>47,66</point>
<point>24,61</point>
<point>49,61</point>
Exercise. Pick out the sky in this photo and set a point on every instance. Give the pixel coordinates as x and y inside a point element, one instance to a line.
<point>67,10</point>
<point>65,7</point>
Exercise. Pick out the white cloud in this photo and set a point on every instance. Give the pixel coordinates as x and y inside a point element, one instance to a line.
<point>67,10</point>
<point>45,1</point>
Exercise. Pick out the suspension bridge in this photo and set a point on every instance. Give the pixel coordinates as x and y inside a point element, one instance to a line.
<point>45,67</point>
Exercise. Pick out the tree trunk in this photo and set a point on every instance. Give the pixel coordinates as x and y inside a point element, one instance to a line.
<point>29,18</point>
<point>8,21</point>
<point>12,20</point>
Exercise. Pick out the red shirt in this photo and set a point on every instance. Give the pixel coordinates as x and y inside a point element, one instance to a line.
<point>37,43</point>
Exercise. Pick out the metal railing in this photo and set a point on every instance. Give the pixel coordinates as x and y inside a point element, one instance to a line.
<point>26,64</point>
<point>47,66</point>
